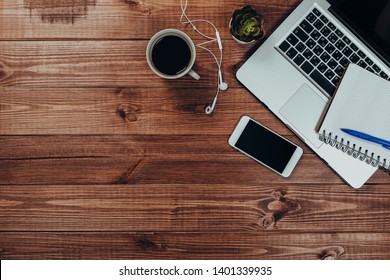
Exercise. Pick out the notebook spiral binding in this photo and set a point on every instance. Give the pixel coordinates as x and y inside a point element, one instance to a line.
<point>353,151</point>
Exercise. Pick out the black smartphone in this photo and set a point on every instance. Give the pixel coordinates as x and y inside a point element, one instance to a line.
<point>265,146</point>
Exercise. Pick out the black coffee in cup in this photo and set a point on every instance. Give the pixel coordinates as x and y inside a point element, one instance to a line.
<point>171,55</point>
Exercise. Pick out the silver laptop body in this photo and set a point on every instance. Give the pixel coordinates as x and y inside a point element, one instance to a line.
<point>293,93</point>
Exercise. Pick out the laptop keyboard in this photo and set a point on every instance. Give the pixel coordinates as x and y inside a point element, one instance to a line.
<point>322,51</point>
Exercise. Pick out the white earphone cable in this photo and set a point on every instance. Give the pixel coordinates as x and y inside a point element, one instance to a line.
<point>183,9</point>
<point>221,84</point>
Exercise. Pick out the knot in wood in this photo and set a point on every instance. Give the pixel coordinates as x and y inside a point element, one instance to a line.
<point>330,256</point>
<point>278,206</point>
<point>145,244</point>
<point>139,6</point>
<point>268,222</point>
<point>129,112</point>
<point>147,11</point>
<point>132,2</point>
<point>332,253</point>
<point>278,194</point>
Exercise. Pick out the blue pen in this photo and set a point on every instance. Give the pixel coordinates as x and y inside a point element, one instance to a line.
<point>384,143</point>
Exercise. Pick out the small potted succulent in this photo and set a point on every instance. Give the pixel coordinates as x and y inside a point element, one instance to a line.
<point>246,25</point>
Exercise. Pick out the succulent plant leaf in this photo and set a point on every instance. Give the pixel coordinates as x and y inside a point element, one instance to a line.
<point>246,24</point>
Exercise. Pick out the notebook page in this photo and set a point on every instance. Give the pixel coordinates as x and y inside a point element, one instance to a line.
<point>362,103</point>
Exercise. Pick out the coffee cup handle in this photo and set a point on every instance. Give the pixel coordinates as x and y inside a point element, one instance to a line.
<point>193,74</point>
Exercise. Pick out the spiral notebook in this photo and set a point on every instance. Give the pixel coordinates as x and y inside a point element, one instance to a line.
<point>362,103</point>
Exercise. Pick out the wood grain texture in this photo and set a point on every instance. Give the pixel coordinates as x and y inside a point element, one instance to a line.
<point>119,19</point>
<point>108,63</point>
<point>170,159</point>
<point>31,147</point>
<point>192,169</point>
<point>210,246</point>
<point>192,207</point>
<point>126,111</point>
<point>101,159</point>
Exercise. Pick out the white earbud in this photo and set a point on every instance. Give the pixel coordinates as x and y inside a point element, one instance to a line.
<point>218,40</point>
<point>221,84</point>
<point>209,109</point>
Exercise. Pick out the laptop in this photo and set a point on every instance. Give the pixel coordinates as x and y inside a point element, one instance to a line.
<point>296,70</point>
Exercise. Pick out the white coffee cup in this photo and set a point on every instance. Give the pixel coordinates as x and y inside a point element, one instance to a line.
<point>171,65</point>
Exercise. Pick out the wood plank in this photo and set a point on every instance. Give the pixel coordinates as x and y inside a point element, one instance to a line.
<point>115,63</point>
<point>78,146</point>
<point>176,147</point>
<point>127,111</point>
<point>305,246</point>
<point>166,169</point>
<point>192,207</point>
<point>120,19</point>
<point>190,169</point>
<point>103,159</point>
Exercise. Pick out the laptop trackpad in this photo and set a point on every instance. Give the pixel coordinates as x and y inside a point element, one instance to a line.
<point>303,111</point>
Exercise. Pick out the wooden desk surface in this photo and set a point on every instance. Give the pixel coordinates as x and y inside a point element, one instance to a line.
<point>101,159</point>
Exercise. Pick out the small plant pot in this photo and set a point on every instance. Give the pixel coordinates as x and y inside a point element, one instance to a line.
<point>246,25</point>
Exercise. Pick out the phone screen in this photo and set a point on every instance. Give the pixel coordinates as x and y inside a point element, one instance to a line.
<point>265,146</point>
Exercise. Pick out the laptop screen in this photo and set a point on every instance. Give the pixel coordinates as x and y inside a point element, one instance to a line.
<point>369,19</point>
